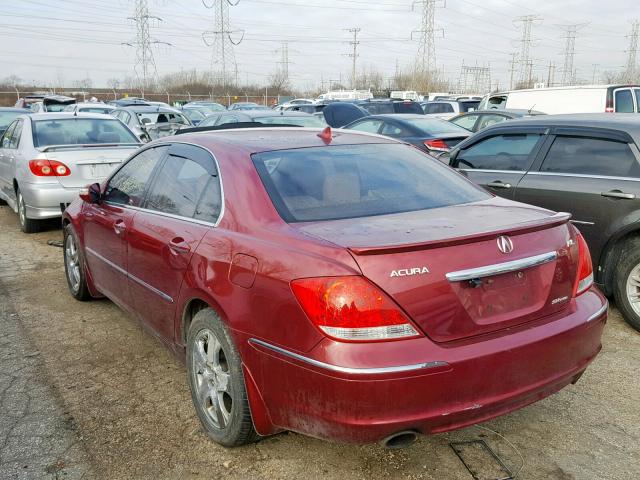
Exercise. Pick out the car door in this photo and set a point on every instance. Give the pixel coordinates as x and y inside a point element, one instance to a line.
<point>167,231</point>
<point>6,178</point>
<point>594,175</point>
<point>499,161</point>
<point>107,224</point>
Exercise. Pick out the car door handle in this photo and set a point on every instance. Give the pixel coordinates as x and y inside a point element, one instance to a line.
<point>178,245</point>
<point>618,194</point>
<point>498,184</point>
<point>119,227</point>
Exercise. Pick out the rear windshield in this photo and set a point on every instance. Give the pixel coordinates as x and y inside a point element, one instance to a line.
<point>375,108</point>
<point>56,107</point>
<point>80,131</point>
<point>436,126</point>
<point>292,120</point>
<point>467,106</point>
<point>95,109</point>
<point>161,117</point>
<point>350,181</point>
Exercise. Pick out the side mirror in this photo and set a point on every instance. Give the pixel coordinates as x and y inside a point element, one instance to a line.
<point>91,194</point>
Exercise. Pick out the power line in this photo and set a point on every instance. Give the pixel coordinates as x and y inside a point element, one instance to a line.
<point>223,60</point>
<point>145,66</point>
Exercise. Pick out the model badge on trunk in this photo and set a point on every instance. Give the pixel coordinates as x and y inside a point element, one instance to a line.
<point>505,245</point>
<point>407,272</point>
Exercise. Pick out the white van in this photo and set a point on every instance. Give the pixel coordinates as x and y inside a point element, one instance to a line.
<point>583,99</point>
<point>346,95</point>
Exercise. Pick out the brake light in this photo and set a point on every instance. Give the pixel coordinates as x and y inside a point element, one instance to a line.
<point>609,106</point>
<point>48,168</point>
<point>436,144</point>
<point>351,308</point>
<point>584,277</point>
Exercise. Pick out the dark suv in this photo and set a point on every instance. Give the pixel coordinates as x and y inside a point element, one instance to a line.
<point>588,165</point>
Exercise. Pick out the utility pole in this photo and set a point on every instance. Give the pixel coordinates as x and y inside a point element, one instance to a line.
<point>426,61</point>
<point>568,72</point>
<point>145,66</point>
<point>551,74</point>
<point>630,74</point>
<point>512,69</point>
<point>223,60</point>
<point>354,55</point>
<point>526,64</point>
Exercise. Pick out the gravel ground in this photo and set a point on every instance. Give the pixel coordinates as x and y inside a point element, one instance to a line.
<point>85,391</point>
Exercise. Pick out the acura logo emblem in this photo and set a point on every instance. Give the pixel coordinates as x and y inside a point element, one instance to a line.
<point>505,245</point>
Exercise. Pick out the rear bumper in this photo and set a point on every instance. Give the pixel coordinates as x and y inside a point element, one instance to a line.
<point>360,392</point>
<point>46,200</point>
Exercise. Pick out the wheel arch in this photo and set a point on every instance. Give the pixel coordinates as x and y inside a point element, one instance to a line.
<point>609,258</point>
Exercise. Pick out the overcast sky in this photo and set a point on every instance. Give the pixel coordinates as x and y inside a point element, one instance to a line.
<point>65,40</point>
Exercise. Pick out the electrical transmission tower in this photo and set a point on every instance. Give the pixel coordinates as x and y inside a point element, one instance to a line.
<point>526,63</point>
<point>145,67</point>
<point>426,61</point>
<point>512,68</point>
<point>568,72</point>
<point>223,60</point>
<point>283,64</point>
<point>474,79</point>
<point>631,72</point>
<point>354,55</point>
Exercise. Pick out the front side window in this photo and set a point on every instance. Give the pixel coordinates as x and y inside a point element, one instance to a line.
<point>591,156</point>
<point>502,152</point>
<point>128,184</point>
<point>350,181</point>
<point>80,131</point>
<point>624,101</point>
<point>186,187</point>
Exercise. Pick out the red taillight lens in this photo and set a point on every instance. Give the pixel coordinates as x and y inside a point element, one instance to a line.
<point>584,277</point>
<point>48,168</point>
<point>436,144</point>
<point>351,308</point>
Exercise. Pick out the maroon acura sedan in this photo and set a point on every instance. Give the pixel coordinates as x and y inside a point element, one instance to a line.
<point>345,286</point>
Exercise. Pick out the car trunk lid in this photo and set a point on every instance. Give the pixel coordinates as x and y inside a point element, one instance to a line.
<point>88,163</point>
<point>445,269</point>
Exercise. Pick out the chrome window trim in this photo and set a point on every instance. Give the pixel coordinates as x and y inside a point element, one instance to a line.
<point>170,215</point>
<point>128,275</point>
<point>349,370</point>
<point>486,170</point>
<point>582,222</point>
<point>500,268</point>
<point>583,175</point>
<point>601,311</point>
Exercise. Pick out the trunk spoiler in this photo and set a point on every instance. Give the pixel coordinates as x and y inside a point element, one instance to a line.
<point>524,227</point>
<point>51,148</point>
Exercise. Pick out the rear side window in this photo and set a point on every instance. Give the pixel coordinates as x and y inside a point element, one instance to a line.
<point>349,181</point>
<point>636,91</point>
<point>186,185</point>
<point>15,135</point>
<point>80,131</point>
<point>624,101</point>
<point>467,122</point>
<point>591,156</point>
<point>502,152</point>
<point>128,184</point>
<point>487,120</point>
<point>369,126</point>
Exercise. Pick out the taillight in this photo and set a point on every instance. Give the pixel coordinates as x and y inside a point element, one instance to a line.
<point>584,277</point>
<point>351,308</point>
<point>48,168</point>
<point>609,106</point>
<point>436,144</point>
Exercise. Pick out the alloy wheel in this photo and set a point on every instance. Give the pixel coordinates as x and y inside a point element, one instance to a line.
<point>633,289</point>
<point>212,379</point>
<point>22,214</point>
<point>73,264</point>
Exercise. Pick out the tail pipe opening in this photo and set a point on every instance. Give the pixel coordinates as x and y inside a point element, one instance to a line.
<point>399,440</point>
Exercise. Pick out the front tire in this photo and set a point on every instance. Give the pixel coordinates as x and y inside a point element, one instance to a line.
<point>27,225</point>
<point>74,266</point>
<point>216,381</point>
<point>627,282</point>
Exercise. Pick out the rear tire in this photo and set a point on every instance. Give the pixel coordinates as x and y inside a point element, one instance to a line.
<point>626,288</point>
<point>216,381</point>
<point>27,225</point>
<point>74,266</point>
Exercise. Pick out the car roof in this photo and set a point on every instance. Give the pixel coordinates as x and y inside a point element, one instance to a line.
<point>254,140</point>
<point>399,116</point>
<point>68,115</point>
<point>621,121</point>
<point>275,113</point>
<point>148,109</point>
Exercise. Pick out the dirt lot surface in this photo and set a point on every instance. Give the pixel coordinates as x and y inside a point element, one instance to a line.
<point>85,392</point>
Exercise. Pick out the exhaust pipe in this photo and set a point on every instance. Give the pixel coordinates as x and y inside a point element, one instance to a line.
<point>399,440</point>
